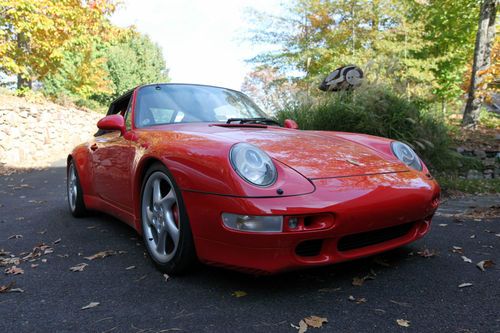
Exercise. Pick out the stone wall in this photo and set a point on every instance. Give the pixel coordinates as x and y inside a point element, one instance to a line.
<point>36,135</point>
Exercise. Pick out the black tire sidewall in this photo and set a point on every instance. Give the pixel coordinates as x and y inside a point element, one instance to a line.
<point>80,209</point>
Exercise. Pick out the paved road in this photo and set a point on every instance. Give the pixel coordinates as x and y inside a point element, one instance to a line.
<point>423,291</point>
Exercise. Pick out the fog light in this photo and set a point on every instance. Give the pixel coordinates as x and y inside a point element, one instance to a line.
<point>253,223</point>
<point>293,222</point>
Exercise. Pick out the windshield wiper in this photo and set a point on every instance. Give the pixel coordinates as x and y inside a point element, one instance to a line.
<point>261,120</point>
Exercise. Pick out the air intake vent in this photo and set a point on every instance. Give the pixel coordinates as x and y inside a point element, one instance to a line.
<point>309,248</point>
<point>360,240</point>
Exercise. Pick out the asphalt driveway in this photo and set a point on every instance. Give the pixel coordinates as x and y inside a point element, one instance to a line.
<point>417,284</point>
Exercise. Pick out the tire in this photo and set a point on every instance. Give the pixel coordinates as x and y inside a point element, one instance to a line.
<point>74,192</point>
<point>165,225</point>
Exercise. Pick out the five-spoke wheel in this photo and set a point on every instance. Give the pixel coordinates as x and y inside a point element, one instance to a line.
<point>165,228</point>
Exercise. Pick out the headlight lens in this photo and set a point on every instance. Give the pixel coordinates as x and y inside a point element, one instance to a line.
<point>406,155</point>
<point>252,164</point>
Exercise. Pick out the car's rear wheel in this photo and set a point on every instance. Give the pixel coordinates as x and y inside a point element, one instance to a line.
<point>165,225</point>
<point>75,193</point>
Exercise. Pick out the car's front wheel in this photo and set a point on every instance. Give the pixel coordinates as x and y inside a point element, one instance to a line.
<point>75,193</point>
<point>165,226</point>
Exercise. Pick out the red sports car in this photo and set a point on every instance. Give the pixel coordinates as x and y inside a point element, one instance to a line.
<point>203,174</point>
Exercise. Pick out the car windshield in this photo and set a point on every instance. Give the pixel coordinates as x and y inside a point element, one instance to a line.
<point>181,103</point>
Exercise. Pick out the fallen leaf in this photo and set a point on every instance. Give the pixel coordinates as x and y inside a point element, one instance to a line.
<point>44,260</point>
<point>403,322</point>
<point>34,265</point>
<point>464,285</point>
<point>483,264</point>
<point>442,224</point>
<point>457,249</point>
<point>358,282</point>
<point>498,235</point>
<point>90,305</point>
<point>101,255</point>
<point>473,236</point>
<point>7,287</point>
<point>42,232</point>
<point>464,258</point>
<point>166,277</point>
<point>426,253</point>
<point>16,237</point>
<point>239,293</point>
<point>302,326</point>
<point>78,268</point>
<point>357,300</point>
<point>315,321</point>
<point>14,270</point>
<point>57,241</point>
<point>130,267</point>
<point>16,290</point>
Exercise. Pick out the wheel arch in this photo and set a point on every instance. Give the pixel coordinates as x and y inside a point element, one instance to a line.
<point>140,173</point>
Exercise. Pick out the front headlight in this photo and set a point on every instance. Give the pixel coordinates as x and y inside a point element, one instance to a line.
<point>406,155</point>
<point>252,164</point>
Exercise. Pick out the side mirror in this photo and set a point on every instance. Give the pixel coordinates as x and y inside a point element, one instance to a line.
<point>289,123</point>
<point>114,122</point>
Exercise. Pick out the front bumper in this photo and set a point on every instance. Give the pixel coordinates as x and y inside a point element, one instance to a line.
<point>371,214</point>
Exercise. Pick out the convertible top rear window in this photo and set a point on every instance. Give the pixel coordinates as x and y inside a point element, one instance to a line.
<point>181,103</point>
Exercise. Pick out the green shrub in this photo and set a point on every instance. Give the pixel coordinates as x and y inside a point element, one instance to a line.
<point>377,110</point>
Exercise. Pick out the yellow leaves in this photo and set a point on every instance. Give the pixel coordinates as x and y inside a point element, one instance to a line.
<point>46,29</point>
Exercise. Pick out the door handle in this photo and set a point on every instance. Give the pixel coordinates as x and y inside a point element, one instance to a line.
<point>94,147</point>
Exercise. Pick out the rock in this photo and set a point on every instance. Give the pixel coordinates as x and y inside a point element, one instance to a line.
<point>474,174</point>
<point>480,153</point>
<point>460,150</point>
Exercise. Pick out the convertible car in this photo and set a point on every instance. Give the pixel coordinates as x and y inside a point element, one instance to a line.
<point>205,175</point>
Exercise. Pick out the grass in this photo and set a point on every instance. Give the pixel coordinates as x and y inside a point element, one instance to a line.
<point>453,184</point>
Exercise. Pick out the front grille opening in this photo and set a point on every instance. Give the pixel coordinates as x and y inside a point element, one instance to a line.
<point>309,248</point>
<point>363,239</point>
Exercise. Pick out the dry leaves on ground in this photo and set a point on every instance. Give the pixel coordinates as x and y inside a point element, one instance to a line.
<point>427,253</point>
<point>78,268</point>
<point>90,305</point>
<point>239,293</point>
<point>166,277</point>
<point>464,258</point>
<point>7,287</point>
<point>102,255</point>
<point>403,322</point>
<point>129,268</point>
<point>464,285</point>
<point>490,212</point>
<point>483,264</point>
<point>358,282</point>
<point>357,300</point>
<point>312,321</point>
<point>457,249</point>
<point>14,270</point>
<point>16,237</point>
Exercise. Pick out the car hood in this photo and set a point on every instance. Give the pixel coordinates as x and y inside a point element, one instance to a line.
<point>314,154</point>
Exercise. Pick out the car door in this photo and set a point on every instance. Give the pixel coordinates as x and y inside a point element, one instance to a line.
<point>112,156</point>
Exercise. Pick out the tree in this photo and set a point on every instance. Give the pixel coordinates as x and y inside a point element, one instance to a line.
<point>316,36</point>
<point>449,32</point>
<point>482,60</point>
<point>268,88</point>
<point>35,34</point>
<point>133,60</point>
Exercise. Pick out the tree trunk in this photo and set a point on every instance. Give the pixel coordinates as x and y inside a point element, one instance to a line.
<point>22,44</point>
<point>23,83</point>
<point>482,59</point>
